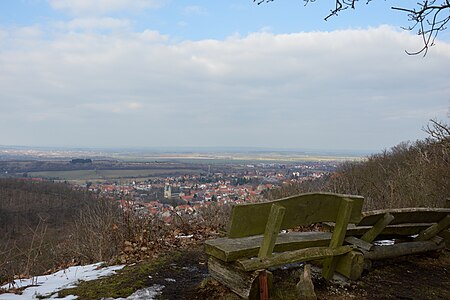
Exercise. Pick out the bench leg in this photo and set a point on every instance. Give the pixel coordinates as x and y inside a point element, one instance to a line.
<point>434,229</point>
<point>245,284</point>
<point>351,265</point>
<point>263,286</point>
<point>337,239</point>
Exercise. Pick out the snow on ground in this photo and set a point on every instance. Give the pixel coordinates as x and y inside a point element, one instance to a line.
<point>384,242</point>
<point>143,294</point>
<point>48,285</point>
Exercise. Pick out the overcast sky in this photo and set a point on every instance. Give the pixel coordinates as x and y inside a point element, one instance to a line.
<point>161,73</point>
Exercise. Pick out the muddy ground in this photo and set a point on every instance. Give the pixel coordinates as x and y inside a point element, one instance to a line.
<point>411,277</point>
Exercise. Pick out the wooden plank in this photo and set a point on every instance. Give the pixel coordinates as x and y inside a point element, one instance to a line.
<point>437,240</point>
<point>434,229</point>
<point>351,265</point>
<point>245,284</point>
<point>304,209</point>
<point>277,259</point>
<point>342,220</point>
<point>445,234</point>
<point>405,215</point>
<point>359,243</point>
<point>232,249</point>
<point>406,248</point>
<point>272,230</point>
<point>378,228</point>
<point>390,230</point>
<point>263,285</point>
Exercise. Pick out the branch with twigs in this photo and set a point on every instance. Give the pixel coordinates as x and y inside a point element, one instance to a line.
<point>430,18</point>
<point>439,131</point>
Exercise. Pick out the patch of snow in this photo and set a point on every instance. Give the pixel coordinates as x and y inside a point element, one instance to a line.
<point>48,285</point>
<point>144,294</point>
<point>384,242</point>
<point>170,280</point>
<point>184,236</point>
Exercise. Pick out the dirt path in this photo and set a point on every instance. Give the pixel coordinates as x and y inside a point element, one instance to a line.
<point>182,276</point>
<point>410,277</point>
<point>414,277</point>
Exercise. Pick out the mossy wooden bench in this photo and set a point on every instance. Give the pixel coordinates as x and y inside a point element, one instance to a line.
<point>411,230</point>
<point>254,242</point>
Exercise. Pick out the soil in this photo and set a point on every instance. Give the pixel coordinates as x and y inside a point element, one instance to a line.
<point>410,277</point>
<point>183,274</point>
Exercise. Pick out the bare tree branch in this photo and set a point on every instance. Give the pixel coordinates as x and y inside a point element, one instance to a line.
<point>439,131</point>
<point>429,18</point>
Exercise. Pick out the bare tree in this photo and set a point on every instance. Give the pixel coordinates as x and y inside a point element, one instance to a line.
<point>427,17</point>
<point>438,131</point>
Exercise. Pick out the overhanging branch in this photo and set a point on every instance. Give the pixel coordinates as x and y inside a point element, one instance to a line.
<point>429,17</point>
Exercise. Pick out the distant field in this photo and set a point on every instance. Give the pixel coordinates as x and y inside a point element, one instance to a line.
<point>184,155</point>
<point>259,160</point>
<point>108,174</point>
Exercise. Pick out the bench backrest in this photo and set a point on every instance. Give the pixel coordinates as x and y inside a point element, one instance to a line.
<point>304,209</point>
<point>405,215</point>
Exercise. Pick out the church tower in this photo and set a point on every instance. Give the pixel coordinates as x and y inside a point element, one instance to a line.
<point>167,191</point>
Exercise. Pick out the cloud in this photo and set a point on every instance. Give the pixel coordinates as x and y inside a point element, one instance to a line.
<point>194,10</point>
<point>101,7</point>
<point>94,24</point>
<point>343,89</point>
<point>112,107</point>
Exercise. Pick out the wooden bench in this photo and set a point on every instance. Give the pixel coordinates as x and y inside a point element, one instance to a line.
<point>410,230</point>
<point>254,242</point>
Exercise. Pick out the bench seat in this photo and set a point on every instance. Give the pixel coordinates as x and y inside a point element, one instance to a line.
<point>390,231</point>
<point>405,222</point>
<point>405,215</point>
<point>416,230</point>
<point>254,243</point>
<point>228,249</point>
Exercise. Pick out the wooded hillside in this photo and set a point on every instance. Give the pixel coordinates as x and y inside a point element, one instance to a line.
<point>411,174</point>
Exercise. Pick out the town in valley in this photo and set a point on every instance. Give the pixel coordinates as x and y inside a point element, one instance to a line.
<point>163,184</point>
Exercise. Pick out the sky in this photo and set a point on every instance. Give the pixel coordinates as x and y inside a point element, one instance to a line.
<point>165,73</point>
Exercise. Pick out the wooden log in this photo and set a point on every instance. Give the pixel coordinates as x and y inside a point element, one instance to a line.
<point>278,259</point>
<point>407,248</point>
<point>227,249</point>
<point>351,265</point>
<point>378,228</point>
<point>245,284</point>
<point>359,243</point>
<point>434,229</point>
<point>343,217</point>
<point>272,230</point>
